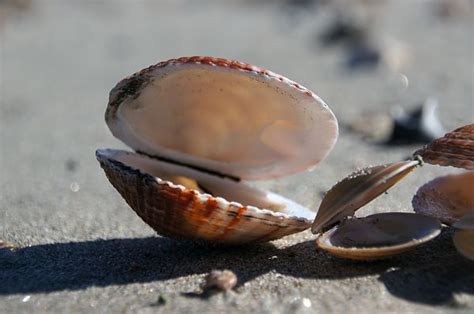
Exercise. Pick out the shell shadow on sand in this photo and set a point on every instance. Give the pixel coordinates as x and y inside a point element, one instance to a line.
<point>79,265</point>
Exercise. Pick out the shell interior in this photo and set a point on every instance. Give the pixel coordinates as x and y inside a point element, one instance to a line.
<point>379,235</point>
<point>447,198</point>
<point>225,116</point>
<point>358,189</point>
<point>216,186</point>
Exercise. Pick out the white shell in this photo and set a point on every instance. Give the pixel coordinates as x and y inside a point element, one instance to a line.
<point>184,213</point>
<point>455,149</point>
<point>464,238</point>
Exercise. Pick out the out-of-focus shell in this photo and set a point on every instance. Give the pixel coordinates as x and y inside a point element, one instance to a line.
<point>464,238</point>
<point>358,189</point>
<point>455,149</point>
<point>378,236</point>
<point>448,198</point>
<point>179,212</point>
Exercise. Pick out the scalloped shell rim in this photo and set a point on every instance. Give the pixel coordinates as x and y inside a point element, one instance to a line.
<point>223,203</point>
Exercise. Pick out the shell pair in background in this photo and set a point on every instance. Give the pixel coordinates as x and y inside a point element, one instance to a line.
<point>200,127</point>
<point>448,199</point>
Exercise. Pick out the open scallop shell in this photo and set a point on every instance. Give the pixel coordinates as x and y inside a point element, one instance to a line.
<point>379,235</point>
<point>200,125</point>
<point>448,198</point>
<point>455,149</point>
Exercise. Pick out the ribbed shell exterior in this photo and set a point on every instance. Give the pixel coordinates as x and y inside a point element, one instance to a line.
<point>455,149</point>
<point>177,212</point>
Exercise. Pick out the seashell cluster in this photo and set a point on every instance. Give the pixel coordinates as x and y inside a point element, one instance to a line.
<point>219,280</point>
<point>450,198</point>
<point>200,126</point>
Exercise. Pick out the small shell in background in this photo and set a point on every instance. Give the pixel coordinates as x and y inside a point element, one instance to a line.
<point>448,198</point>
<point>219,281</point>
<point>454,149</point>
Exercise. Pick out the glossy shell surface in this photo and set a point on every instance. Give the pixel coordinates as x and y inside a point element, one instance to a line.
<point>447,198</point>
<point>378,236</point>
<point>358,189</point>
<point>455,149</point>
<point>224,116</point>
